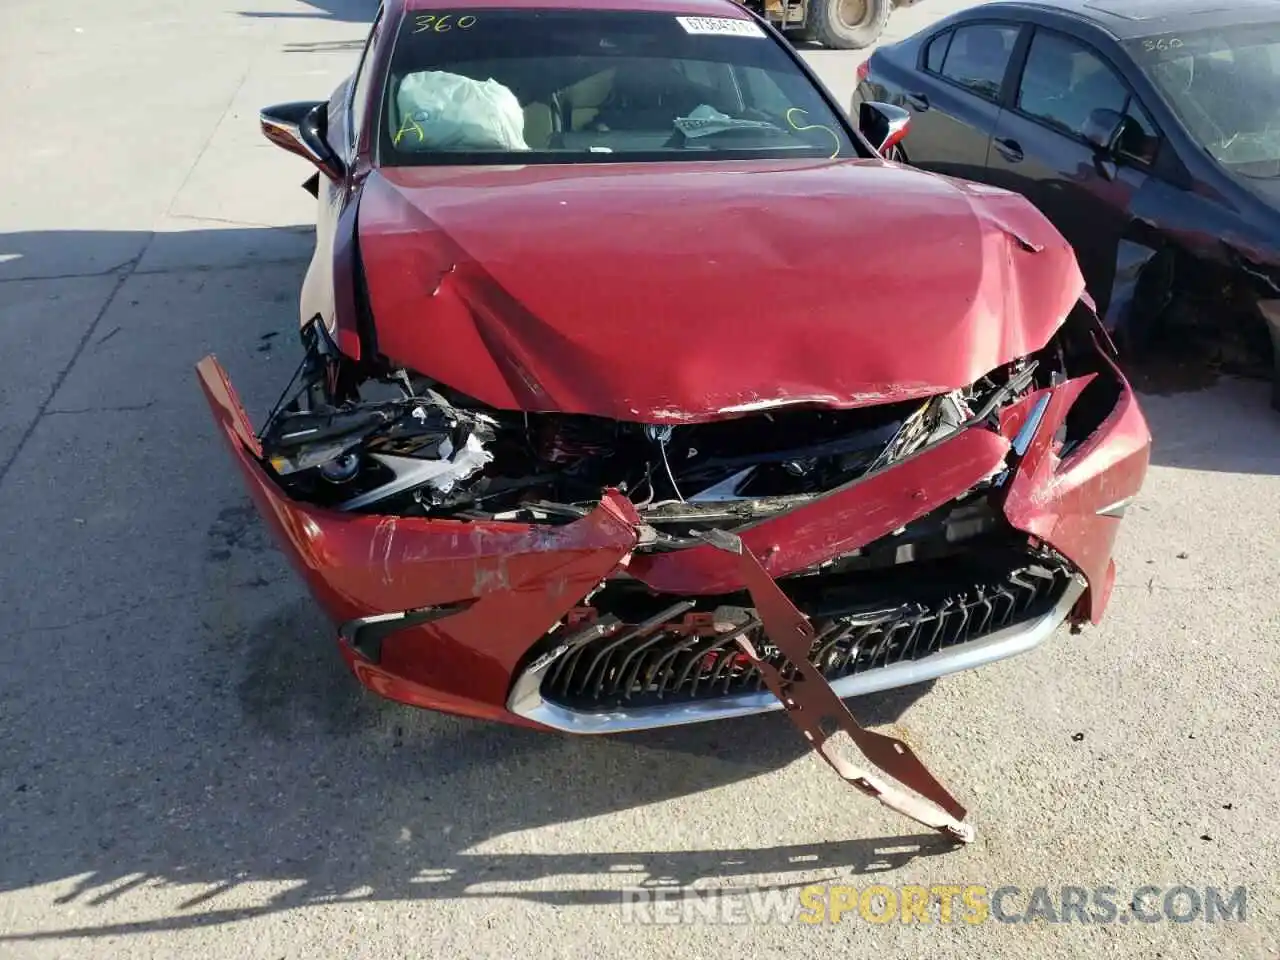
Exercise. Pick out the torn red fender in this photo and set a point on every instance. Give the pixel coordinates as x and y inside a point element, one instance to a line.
<point>499,583</point>
<point>815,709</point>
<point>1075,504</point>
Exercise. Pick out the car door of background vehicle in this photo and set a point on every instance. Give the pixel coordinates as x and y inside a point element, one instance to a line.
<point>954,99</point>
<point>1037,150</point>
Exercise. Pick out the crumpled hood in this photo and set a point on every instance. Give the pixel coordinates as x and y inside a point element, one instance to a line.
<point>684,292</point>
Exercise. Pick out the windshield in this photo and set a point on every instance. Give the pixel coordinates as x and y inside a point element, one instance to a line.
<point>572,86</point>
<point>1224,84</point>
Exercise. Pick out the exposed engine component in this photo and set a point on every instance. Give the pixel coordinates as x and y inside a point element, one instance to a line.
<point>421,451</point>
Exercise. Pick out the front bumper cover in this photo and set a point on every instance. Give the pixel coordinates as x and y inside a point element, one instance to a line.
<point>511,583</point>
<point>442,614</point>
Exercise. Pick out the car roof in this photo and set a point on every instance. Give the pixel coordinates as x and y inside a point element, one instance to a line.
<point>696,8</point>
<point>1133,19</point>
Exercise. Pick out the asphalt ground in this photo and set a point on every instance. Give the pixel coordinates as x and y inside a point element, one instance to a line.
<point>186,769</point>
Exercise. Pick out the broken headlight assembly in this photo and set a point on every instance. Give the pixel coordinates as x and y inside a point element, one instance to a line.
<point>1080,348</point>
<point>329,443</point>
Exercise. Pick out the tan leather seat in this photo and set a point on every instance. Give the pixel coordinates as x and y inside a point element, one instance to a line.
<point>539,124</point>
<point>584,98</point>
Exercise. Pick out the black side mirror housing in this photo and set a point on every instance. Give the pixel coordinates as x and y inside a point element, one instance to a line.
<point>883,124</point>
<point>299,127</point>
<point>1103,130</point>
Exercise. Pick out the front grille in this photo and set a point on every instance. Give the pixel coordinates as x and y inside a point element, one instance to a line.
<point>687,654</point>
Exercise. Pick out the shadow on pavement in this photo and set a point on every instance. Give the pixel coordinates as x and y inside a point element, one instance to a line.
<point>1228,427</point>
<point>340,795</point>
<point>345,11</point>
<point>175,711</point>
<point>325,46</point>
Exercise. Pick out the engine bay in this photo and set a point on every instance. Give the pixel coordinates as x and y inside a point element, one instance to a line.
<point>403,445</point>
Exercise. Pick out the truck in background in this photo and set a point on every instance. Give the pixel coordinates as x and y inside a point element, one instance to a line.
<point>838,24</point>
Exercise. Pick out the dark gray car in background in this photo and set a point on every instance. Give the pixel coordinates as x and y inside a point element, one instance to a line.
<point>1148,131</point>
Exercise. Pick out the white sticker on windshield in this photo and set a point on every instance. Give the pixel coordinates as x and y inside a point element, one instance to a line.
<point>721,26</point>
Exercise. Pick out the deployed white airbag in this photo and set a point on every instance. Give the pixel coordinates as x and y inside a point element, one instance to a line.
<point>446,111</point>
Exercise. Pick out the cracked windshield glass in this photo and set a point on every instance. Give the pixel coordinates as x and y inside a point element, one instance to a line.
<point>1225,86</point>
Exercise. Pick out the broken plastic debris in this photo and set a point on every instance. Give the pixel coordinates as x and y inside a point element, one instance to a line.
<point>819,713</point>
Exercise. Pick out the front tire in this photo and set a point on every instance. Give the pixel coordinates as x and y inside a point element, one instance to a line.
<point>848,24</point>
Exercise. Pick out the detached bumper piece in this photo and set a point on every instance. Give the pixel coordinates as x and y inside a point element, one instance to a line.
<point>819,713</point>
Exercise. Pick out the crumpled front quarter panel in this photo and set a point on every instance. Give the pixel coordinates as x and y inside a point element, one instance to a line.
<point>526,578</point>
<point>1071,503</point>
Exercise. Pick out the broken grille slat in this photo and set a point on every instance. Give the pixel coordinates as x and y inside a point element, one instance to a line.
<point>838,634</point>
<point>926,625</point>
<point>694,660</point>
<point>566,666</point>
<point>638,632</point>
<point>662,676</point>
<point>982,611</point>
<point>963,617</point>
<point>933,637</point>
<point>897,635</point>
<point>659,660</point>
<point>647,669</point>
<point>861,640</point>
<point>1004,605</point>
<point>728,654</point>
<point>636,657</point>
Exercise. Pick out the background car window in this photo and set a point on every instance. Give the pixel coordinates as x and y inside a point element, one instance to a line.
<point>360,94</point>
<point>1140,140</point>
<point>937,52</point>
<point>978,56</point>
<point>1224,85</point>
<point>1064,81</point>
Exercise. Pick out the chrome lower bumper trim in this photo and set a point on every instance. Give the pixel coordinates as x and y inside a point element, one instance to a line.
<point>526,695</point>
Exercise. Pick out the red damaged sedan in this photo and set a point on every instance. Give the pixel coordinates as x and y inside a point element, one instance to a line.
<point>639,390</point>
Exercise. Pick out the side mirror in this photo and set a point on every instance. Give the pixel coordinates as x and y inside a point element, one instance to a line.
<point>300,128</point>
<point>883,124</point>
<point>1103,130</point>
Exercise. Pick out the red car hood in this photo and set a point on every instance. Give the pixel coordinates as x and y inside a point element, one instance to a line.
<point>691,291</point>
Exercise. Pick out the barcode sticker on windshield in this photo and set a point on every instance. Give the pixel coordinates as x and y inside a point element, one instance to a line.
<point>721,26</point>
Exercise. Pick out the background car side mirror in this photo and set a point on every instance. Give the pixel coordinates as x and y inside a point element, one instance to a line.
<point>883,124</point>
<point>300,128</point>
<point>1103,130</point>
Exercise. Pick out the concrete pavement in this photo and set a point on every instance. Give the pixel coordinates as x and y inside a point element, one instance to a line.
<point>186,770</point>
